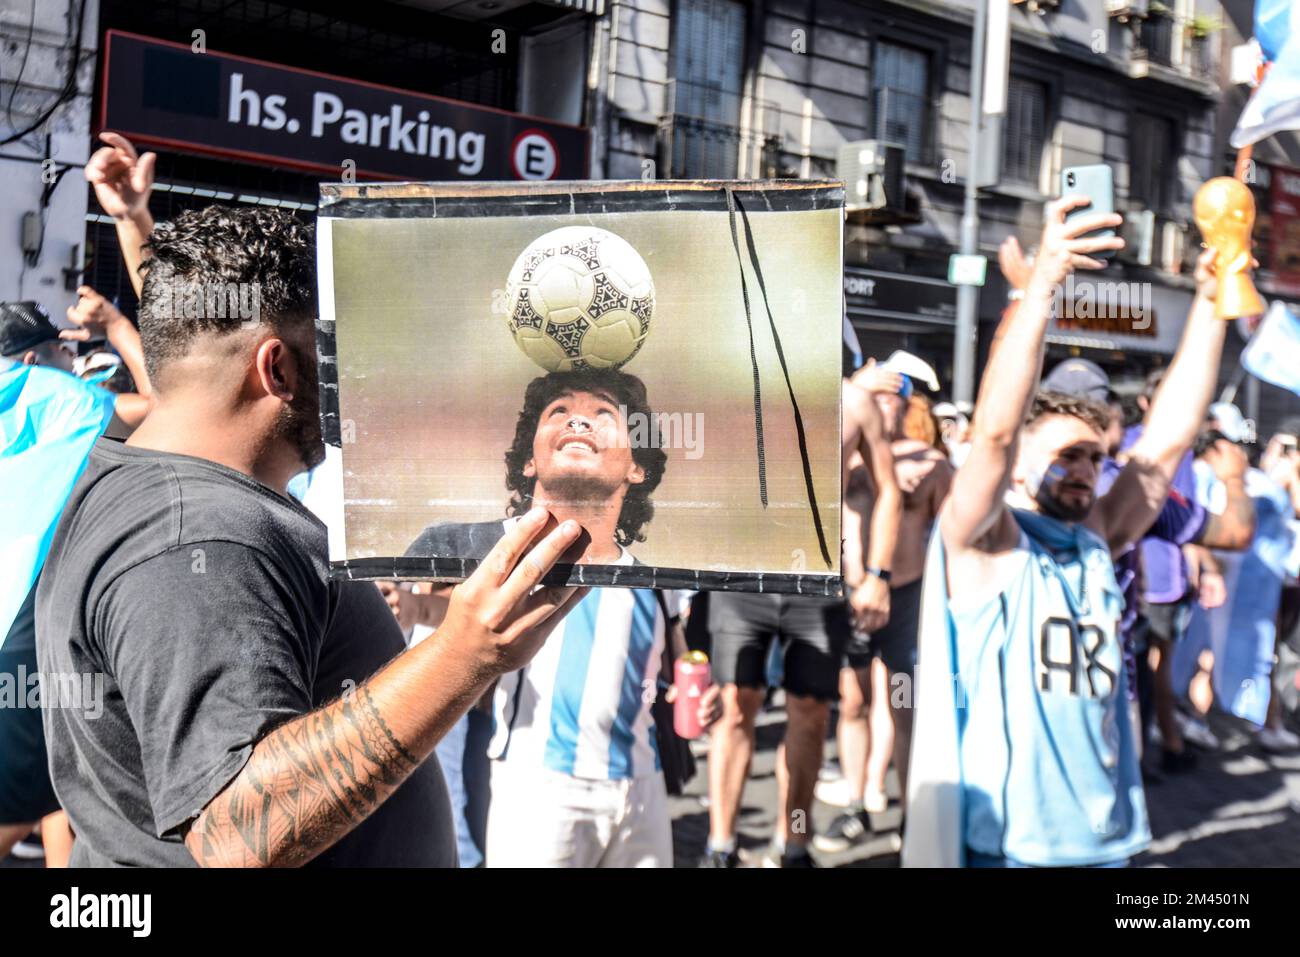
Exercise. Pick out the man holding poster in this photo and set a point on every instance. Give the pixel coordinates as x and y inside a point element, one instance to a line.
<point>256,711</point>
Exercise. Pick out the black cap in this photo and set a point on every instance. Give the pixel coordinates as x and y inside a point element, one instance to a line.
<point>24,325</point>
<point>1290,426</point>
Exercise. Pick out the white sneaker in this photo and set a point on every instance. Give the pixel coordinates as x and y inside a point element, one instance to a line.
<point>1278,740</point>
<point>29,849</point>
<point>1197,732</point>
<point>835,793</point>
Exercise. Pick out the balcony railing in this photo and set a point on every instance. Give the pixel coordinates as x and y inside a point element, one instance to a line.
<point>701,136</point>
<point>1156,38</point>
<point>1170,42</point>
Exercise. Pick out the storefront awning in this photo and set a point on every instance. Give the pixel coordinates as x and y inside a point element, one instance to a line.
<point>875,298</point>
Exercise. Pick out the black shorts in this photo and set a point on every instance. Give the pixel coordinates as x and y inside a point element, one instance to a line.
<point>813,633</point>
<point>26,793</point>
<point>1168,621</point>
<point>858,652</point>
<point>895,644</point>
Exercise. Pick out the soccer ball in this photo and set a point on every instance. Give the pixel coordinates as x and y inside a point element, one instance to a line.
<point>579,297</point>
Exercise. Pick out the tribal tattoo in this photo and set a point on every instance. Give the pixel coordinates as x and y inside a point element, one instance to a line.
<point>307,784</point>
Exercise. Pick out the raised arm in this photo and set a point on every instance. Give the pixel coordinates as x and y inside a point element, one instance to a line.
<point>975,513</point>
<point>1176,417</point>
<point>123,181</point>
<point>314,779</point>
<point>1233,529</point>
<point>94,315</point>
<point>870,596</point>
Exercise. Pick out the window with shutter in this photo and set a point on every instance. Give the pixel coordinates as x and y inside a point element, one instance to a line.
<point>900,84</point>
<point>707,75</point>
<point>1151,156</point>
<point>1025,132</point>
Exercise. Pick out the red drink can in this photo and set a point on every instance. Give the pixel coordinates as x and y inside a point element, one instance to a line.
<point>692,676</point>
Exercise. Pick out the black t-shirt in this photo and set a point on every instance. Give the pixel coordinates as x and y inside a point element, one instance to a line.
<point>204,599</point>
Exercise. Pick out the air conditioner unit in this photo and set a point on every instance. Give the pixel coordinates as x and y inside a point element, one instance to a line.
<point>873,174</point>
<point>1138,232</point>
<point>1124,9</point>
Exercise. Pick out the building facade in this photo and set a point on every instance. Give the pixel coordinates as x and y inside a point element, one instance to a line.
<point>710,88</point>
<point>659,89</point>
<point>259,102</point>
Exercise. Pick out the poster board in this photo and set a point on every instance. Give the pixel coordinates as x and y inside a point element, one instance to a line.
<point>660,360</point>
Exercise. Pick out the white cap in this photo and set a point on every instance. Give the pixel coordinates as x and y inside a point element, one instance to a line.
<point>914,367</point>
<point>1231,422</point>
<point>96,360</point>
<point>945,410</point>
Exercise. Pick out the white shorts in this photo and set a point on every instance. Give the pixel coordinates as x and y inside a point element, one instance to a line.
<point>542,818</point>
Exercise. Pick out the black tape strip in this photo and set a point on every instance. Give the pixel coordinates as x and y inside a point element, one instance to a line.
<point>328,370</point>
<point>618,576</point>
<point>753,357</point>
<point>585,199</point>
<point>785,370</point>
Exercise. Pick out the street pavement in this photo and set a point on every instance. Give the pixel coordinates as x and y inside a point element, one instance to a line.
<point>1240,807</point>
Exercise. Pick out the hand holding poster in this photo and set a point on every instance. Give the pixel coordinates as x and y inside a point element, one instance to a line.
<point>660,362</point>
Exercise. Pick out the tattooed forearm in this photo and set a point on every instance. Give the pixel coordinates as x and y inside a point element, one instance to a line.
<point>1235,528</point>
<point>306,785</point>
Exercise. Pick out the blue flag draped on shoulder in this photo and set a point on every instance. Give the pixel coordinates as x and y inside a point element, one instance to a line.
<point>1271,353</point>
<point>48,422</point>
<point>1275,106</point>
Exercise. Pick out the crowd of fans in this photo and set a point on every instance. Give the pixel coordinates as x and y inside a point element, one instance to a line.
<point>256,712</point>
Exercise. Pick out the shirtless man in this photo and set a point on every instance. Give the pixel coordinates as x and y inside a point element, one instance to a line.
<point>813,633</point>
<point>923,476</point>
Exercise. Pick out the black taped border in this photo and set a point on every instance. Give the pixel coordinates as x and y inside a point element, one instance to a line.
<point>384,201</point>
<point>621,576</point>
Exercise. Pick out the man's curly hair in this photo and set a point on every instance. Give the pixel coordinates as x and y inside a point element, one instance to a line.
<point>249,251</point>
<point>1060,403</point>
<point>626,390</point>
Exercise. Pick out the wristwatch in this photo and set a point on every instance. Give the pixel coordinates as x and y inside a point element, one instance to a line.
<point>881,573</point>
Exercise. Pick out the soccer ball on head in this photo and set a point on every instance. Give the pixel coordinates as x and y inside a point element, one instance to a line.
<point>580,297</point>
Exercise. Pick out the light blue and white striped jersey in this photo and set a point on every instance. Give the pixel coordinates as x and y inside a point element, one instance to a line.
<point>582,706</point>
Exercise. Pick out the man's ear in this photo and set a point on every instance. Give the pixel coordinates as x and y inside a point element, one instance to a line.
<point>530,470</point>
<point>29,358</point>
<point>635,473</point>
<point>274,367</point>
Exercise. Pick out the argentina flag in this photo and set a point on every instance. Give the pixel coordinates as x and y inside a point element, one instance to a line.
<point>48,422</point>
<point>1271,353</point>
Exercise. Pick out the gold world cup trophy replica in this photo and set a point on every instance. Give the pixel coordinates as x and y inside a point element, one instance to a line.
<point>1225,213</point>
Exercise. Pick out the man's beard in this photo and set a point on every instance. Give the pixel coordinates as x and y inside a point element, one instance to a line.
<point>1053,506</point>
<point>583,490</point>
<point>299,423</point>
